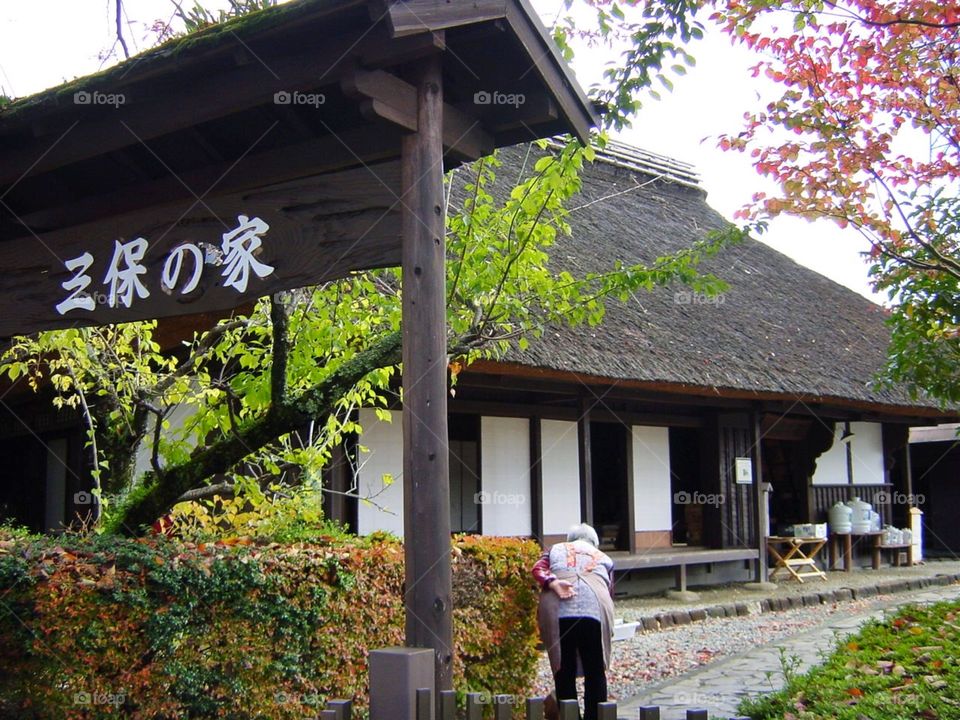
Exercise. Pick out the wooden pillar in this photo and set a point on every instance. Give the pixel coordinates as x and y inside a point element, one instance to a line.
<point>586,469</point>
<point>849,454</point>
<point>426,489</point>
<point>536,478</point>
<point>759,497</point>
<point>631,493</point>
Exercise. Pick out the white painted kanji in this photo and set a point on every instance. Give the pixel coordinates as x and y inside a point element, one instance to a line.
<point>239,246</point>
<point>174,265</point>
<point>76,285</point>
<point>123,276</point>
<point>182,268</point>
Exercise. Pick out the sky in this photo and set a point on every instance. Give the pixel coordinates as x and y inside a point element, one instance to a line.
<point>46,42</point>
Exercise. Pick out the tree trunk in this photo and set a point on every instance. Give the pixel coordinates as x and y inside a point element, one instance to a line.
<point>152,497</point>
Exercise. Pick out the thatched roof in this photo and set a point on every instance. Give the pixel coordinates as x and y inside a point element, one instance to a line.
<point>781,328</point>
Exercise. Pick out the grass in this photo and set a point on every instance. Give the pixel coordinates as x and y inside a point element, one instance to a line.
<point>907,666</point>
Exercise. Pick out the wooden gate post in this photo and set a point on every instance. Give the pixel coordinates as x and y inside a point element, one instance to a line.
<point>426,491</point>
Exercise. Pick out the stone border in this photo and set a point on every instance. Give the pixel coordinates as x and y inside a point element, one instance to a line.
<point>674,618</point>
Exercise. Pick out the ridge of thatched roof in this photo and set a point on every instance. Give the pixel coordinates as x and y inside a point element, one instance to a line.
<point>781,328</point>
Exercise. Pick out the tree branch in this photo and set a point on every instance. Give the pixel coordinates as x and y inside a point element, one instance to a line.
<point>119,22</point>
<point>154,496</point>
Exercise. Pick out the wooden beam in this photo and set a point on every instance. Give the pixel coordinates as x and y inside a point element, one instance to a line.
<point>147,113</point>
<point>551,68</point>
<point>392,98</point>
<point>96,130</point>
<point>318,229</point>
<point>586,464</point>
<point>758,497</point>
<point>503,373</point>
<point>536,478</point>
<point>537,109</point>
<point>313,157</point>
<point>419,16</point>
<point>404,49</point>
<point>631,491</point>
<point>428,596</point>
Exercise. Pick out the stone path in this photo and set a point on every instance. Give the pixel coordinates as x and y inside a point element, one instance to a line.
<point>719,686</point>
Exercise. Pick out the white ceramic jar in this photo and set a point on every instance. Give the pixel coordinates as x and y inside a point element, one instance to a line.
<point>861,520</point>
<point>839,518</point>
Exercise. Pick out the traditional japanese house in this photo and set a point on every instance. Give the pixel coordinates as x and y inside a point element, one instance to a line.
<point>663,425</point>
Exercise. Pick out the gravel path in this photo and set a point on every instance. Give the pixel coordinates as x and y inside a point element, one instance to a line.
<point>651,657</point>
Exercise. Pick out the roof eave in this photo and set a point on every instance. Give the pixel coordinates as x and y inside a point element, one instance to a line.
<point>407,17</point>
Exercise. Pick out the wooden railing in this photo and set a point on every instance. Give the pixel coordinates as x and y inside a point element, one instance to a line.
<point>823,497</point>
<point>505,707</point>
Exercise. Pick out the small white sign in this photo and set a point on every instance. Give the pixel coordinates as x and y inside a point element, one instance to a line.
<point>743,470</point>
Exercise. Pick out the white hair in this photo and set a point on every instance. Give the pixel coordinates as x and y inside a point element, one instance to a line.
<point>583,532</point>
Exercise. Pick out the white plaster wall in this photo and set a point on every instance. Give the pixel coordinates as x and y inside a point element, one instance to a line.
<point>867,450</point>
<point>384,443</point>
<point>178,416</point>
<point>652,500</point>
<point>832,465</point>
<point>505,475</point>
<point>560,468</point>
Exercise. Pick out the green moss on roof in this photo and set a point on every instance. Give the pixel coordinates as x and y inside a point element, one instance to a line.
<point>171,52</point>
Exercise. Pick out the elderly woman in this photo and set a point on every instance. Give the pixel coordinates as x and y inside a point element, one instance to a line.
<point>576,615</point>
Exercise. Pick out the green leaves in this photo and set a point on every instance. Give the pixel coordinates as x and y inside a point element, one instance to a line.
<point>647,36</point>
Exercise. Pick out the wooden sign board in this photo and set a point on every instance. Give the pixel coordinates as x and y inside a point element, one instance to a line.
<point>203,255</point>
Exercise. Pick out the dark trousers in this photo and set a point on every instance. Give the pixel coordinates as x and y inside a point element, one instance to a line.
<point>582,635</point>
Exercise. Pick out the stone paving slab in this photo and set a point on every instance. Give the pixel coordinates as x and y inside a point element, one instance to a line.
<point>719,686</point>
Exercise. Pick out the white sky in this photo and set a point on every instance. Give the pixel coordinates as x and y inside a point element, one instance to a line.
<point>45,42</point>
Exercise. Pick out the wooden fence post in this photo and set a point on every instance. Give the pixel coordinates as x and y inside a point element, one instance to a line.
<point>342,708</point>
<point>569,710</point>
<point>474,706</point>
<point>395,676</point>
<point>534,708</point>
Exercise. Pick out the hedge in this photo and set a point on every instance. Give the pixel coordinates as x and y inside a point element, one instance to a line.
<point>156,628</point>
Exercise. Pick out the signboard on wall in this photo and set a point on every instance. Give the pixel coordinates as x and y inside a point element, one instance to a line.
<point>743,471</point>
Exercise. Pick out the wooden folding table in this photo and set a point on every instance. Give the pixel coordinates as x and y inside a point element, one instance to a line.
<point>796,555</point>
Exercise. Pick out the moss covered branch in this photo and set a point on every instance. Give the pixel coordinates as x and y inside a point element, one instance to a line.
<point>157,493</point>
